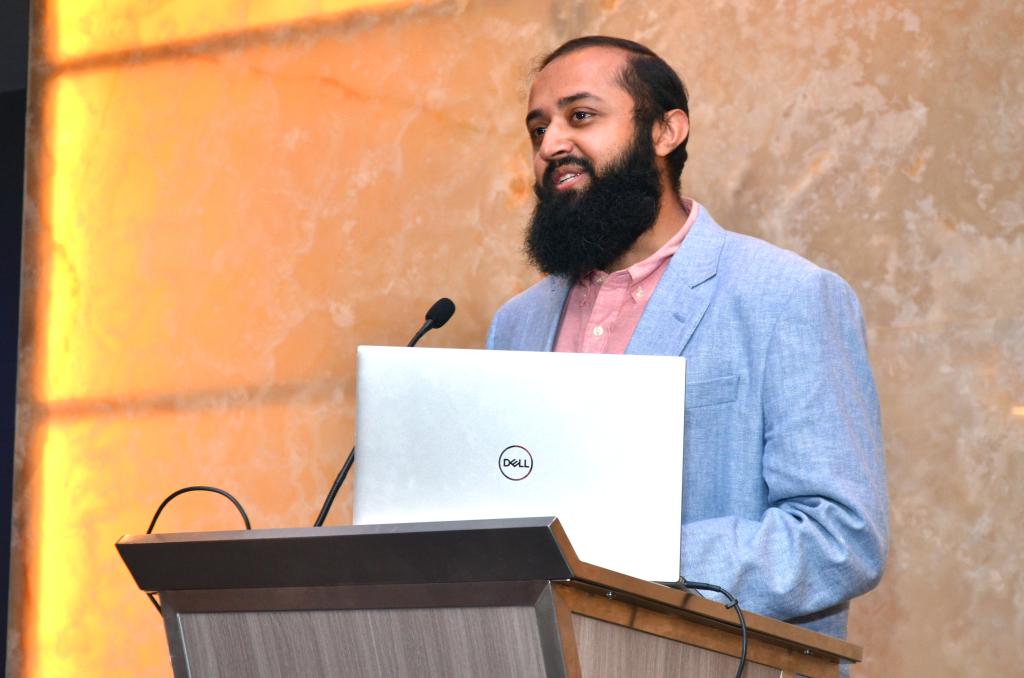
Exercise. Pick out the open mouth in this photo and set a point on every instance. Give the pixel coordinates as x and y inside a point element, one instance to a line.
<point>568,172</point>
<point>567,177</point>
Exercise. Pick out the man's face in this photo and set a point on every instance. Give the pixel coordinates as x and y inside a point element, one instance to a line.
<point>597,181</point>
<point>580,118</point>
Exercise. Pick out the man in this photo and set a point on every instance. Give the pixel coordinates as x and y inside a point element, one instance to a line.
<point>784,494</point>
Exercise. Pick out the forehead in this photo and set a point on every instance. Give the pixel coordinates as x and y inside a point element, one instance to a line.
<point>592,69</point>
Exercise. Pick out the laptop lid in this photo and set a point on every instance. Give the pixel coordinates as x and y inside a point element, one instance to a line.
<point>595,440</point>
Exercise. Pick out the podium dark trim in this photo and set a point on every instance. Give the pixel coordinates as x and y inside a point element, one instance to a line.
<point>483,598</point>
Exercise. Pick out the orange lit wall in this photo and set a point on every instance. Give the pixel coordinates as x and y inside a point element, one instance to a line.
<point>224,198</point>
<point>223,204</point>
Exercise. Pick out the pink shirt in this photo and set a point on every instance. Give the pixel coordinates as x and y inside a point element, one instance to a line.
<point>603,309</point>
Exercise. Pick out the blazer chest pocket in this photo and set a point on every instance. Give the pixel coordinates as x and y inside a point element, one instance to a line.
<point>712,392</point>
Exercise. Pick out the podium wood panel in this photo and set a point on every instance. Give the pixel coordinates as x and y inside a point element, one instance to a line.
<point>611,651</point>
<point>633,623</point>
<point>502,642</point>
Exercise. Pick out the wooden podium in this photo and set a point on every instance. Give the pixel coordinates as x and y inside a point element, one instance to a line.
<point>489,599</point>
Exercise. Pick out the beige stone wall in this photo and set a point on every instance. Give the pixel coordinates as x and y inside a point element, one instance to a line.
<point>222,206</point>
<point>886,141</point>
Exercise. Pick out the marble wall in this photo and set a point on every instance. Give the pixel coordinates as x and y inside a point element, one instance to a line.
<point>224,199</point>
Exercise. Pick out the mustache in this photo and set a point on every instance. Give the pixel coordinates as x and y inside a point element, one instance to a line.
<point>553,166</point>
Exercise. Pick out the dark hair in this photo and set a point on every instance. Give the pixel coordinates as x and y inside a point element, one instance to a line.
<point>656,88</point>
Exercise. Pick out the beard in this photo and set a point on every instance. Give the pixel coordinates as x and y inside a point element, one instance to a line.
<point>576,232</point>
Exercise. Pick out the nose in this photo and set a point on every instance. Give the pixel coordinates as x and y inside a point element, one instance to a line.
<point>555,143</point>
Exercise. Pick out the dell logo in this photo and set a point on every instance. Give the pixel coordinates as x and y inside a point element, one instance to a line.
<point>515,462</point>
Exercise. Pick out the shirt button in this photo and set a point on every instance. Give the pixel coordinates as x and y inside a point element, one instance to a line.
<point>598,331</point>
<point>639,294</point>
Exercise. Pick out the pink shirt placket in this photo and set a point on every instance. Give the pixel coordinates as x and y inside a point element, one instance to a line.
<point>603,308</point>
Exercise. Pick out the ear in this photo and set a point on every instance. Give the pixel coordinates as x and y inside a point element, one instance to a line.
<point>671,131</point>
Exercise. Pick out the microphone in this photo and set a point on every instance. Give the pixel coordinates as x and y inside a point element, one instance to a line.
<point>440,313</point>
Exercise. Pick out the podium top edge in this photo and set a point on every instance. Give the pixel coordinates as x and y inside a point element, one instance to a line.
<point>466,526</point>
<point>398,553</point>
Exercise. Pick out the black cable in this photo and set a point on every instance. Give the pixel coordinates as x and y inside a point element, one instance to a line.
<point>199,488</point>
<point>338,480</point>
<point>733,603</point>
<point>192,488</point>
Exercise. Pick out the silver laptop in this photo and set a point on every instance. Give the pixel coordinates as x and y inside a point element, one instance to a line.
<point>595,440</point>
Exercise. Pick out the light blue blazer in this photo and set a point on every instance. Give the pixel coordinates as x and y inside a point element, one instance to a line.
<point>784,490</point>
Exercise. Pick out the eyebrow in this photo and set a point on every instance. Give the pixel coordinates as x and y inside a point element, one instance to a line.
<point>562,103</point>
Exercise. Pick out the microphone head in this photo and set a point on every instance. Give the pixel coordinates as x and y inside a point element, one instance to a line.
<point>441,312</point>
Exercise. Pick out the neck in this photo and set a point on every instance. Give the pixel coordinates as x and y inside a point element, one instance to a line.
<point>672,213</point>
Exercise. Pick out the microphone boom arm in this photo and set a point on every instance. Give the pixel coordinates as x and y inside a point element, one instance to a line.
<point>437,316</point>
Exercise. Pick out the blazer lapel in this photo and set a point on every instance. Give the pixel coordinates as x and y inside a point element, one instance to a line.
<point>541,325</point>
<point>683,293</point>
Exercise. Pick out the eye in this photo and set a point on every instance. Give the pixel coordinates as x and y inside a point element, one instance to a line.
<point>537,132</point>
<point>581,116</point>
